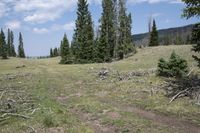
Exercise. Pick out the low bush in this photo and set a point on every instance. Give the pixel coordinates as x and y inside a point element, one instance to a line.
<point>175,67</point>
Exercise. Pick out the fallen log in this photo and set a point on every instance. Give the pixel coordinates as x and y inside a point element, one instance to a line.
<point>178,94</point>
<point>15,115</point>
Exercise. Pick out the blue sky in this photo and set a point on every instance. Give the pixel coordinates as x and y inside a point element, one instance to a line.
<point>43,22</point>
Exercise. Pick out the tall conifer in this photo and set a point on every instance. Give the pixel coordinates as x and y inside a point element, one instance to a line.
<point>122,30</point>
<point>3,46</point>
<point>9,43</point>
<point>106,45</point>
<point>12,47</point>
<point>21,52</point>
<point>83,39</point>
<point>65,51</point>
<point>154,35</point>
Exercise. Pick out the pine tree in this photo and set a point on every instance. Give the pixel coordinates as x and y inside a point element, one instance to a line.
<point>12,47</point>
<point>154,35</point>
<point>21,52</point>
<point>55,52</point>
<point>3,45</point>
<point>107,32</point>
<point>193,9</point>
<point>83,39</point>
<point>65,51</point>
<point>116,26</point>
<point>74,46</point>
<point>9,43</point>
<point>51,53</point>
<point>129,40</point>
<point>196,40</point>
<point>122,30</point>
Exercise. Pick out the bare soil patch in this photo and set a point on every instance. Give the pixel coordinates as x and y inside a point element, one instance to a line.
<point>161,119</point>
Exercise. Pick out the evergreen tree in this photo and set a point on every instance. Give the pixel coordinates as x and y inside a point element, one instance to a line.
<point>116,26</point>
<point>51,53</point>
<point>175,67</point>
<point>21,52</point>
<point>12,47</point>
<point>129,40</point>
<point>3,45</point>
<point>88,49</point>
<point>107,32</point>
<point>196,40</point>
<point>9,43</point>
<point>55,52</point>
<point>83,39</point>
<point>154,35</point>
<point>65,51</point>
<point>121,50</point>
<point>74,45</point>
<point>193,9</point>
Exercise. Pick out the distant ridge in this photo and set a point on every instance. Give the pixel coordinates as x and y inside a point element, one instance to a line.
<point>168,36</point>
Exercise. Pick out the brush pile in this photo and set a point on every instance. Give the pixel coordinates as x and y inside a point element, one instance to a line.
<point>186,87</point>
<point>16,103</point>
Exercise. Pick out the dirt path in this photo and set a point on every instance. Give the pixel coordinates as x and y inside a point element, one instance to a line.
<point>93,124</point>
<point>161,119</point>
<point>171,122</point>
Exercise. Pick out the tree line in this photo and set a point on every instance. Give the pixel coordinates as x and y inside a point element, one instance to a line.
<point>112,39</point>
<point>7,48</point>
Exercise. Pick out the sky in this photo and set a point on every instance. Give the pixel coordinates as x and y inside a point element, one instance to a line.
<point>44,22</point>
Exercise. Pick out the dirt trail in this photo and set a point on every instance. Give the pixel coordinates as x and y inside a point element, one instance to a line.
<point>94,124</point>
<point>161,119</point>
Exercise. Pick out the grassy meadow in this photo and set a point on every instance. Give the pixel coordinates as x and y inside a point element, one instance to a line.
<point>73,99</point>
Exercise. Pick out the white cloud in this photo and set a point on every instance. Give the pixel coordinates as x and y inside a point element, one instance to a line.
<point>176,2</point>
<point>154,1</point>
<point>13,24</point>
<point>40,30</point>
<point>39,11</point>
<point>42,17</point>
<point>3,9</point>
<point>66,27</point>
<point>69,26</point>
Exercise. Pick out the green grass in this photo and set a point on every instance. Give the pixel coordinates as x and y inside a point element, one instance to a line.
<point>79,87</point>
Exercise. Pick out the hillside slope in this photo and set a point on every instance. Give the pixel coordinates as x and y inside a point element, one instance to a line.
<point>176,35</point>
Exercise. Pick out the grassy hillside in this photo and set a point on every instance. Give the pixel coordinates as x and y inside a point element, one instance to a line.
<point>167,36</point>
<point>73,98</point>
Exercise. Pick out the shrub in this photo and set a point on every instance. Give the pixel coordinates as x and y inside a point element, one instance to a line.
<point>175,67</point>
<point>163,69</point>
